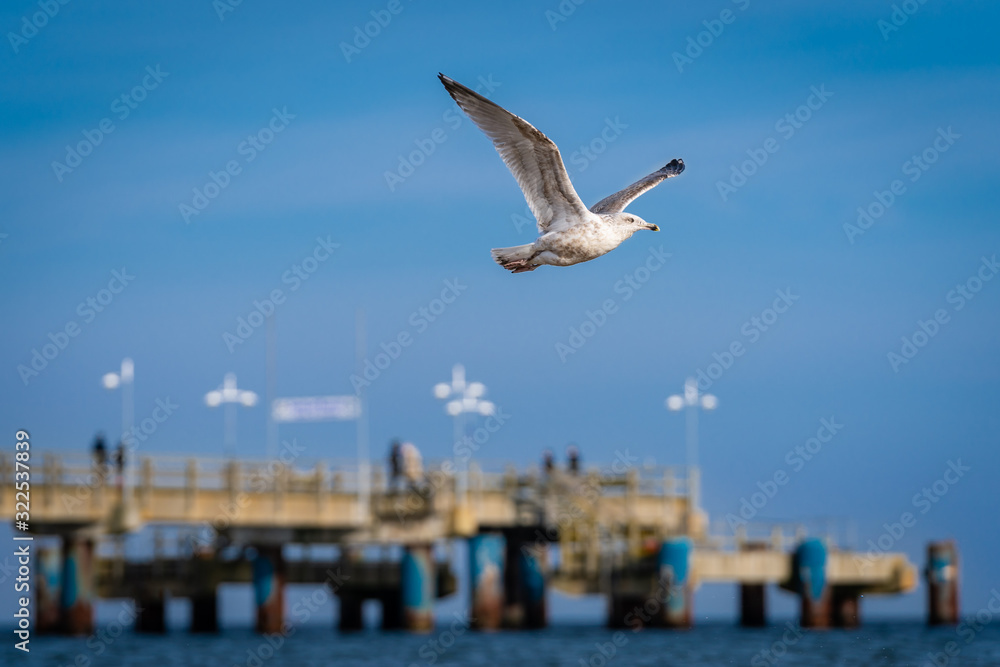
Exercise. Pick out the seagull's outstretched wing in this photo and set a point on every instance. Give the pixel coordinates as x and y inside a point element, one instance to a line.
<point>617,202</point>
<point>531,156</point>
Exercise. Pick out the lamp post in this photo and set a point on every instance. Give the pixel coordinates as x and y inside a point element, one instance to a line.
<point>690,402</point>
<point>462,398</point>
<point>231,396</point>
<point>124,379</point>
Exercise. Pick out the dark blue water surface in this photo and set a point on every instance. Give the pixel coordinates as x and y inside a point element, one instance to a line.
<point>877,643</point>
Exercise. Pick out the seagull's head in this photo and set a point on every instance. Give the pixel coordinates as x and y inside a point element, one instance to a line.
<point>636,223</point>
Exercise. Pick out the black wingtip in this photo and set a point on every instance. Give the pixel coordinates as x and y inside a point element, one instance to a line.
<point>675,166</point>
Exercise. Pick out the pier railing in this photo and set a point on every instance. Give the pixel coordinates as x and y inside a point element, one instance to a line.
<point>74,488</point>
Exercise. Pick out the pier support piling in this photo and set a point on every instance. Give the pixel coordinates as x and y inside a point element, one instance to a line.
<point>269,588</point>
<point>809,575</point>
<point>486,574</point>
<point>753,605</point>
<point>942,583</point>
<point>753,597</point>
<point>675,579</point>
<point>524,582</point>
<point>151,610</point>
<point>351,618</point>
<point>76,608</point>
<point>204,602</point>
<point>533,565</point>
<point>48,585</point>
<point>629,611</point>
<point>204,612</point>
<point>845,610</point>
<point>393,617</point>
<point>417,582</point>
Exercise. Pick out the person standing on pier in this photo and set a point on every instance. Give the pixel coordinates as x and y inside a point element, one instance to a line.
<point>119,463</point>
<point>573,459</point>
<point>395,464</point>
<point>413,465</point>
<point>548,462</point>
<point>100,456</point>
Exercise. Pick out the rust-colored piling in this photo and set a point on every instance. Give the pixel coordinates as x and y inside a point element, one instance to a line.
<point>486,573</point>
<point>942,583</point>
<point>845,611</point>
<point>77,592</point>
<point>417,581</point>
<point>48,586</point>
<point>809,573</point>
<point>269,588</point>
<point>675,575</point>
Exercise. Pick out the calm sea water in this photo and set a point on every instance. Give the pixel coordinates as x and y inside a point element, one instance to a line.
<point>877,643</point>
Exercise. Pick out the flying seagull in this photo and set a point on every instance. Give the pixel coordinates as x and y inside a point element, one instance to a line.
<point>569,233</point>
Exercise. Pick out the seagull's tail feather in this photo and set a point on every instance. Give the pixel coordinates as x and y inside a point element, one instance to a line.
<point>515,259</point>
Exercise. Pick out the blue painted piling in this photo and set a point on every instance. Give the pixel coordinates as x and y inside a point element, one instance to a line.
<point>532,571</point>
<point>48,587</point>
<point>417,580</point>
<point>675,580</point>
<point>809,576</point>
<point>269,589</point>
<point>76,594</point>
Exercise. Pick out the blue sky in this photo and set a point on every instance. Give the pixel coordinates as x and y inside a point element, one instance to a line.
<point>347,120</point>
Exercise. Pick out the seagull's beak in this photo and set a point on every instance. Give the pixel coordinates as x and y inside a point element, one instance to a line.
<point>653,227</point>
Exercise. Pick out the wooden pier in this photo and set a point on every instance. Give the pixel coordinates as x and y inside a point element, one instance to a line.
<point>631,533</point>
